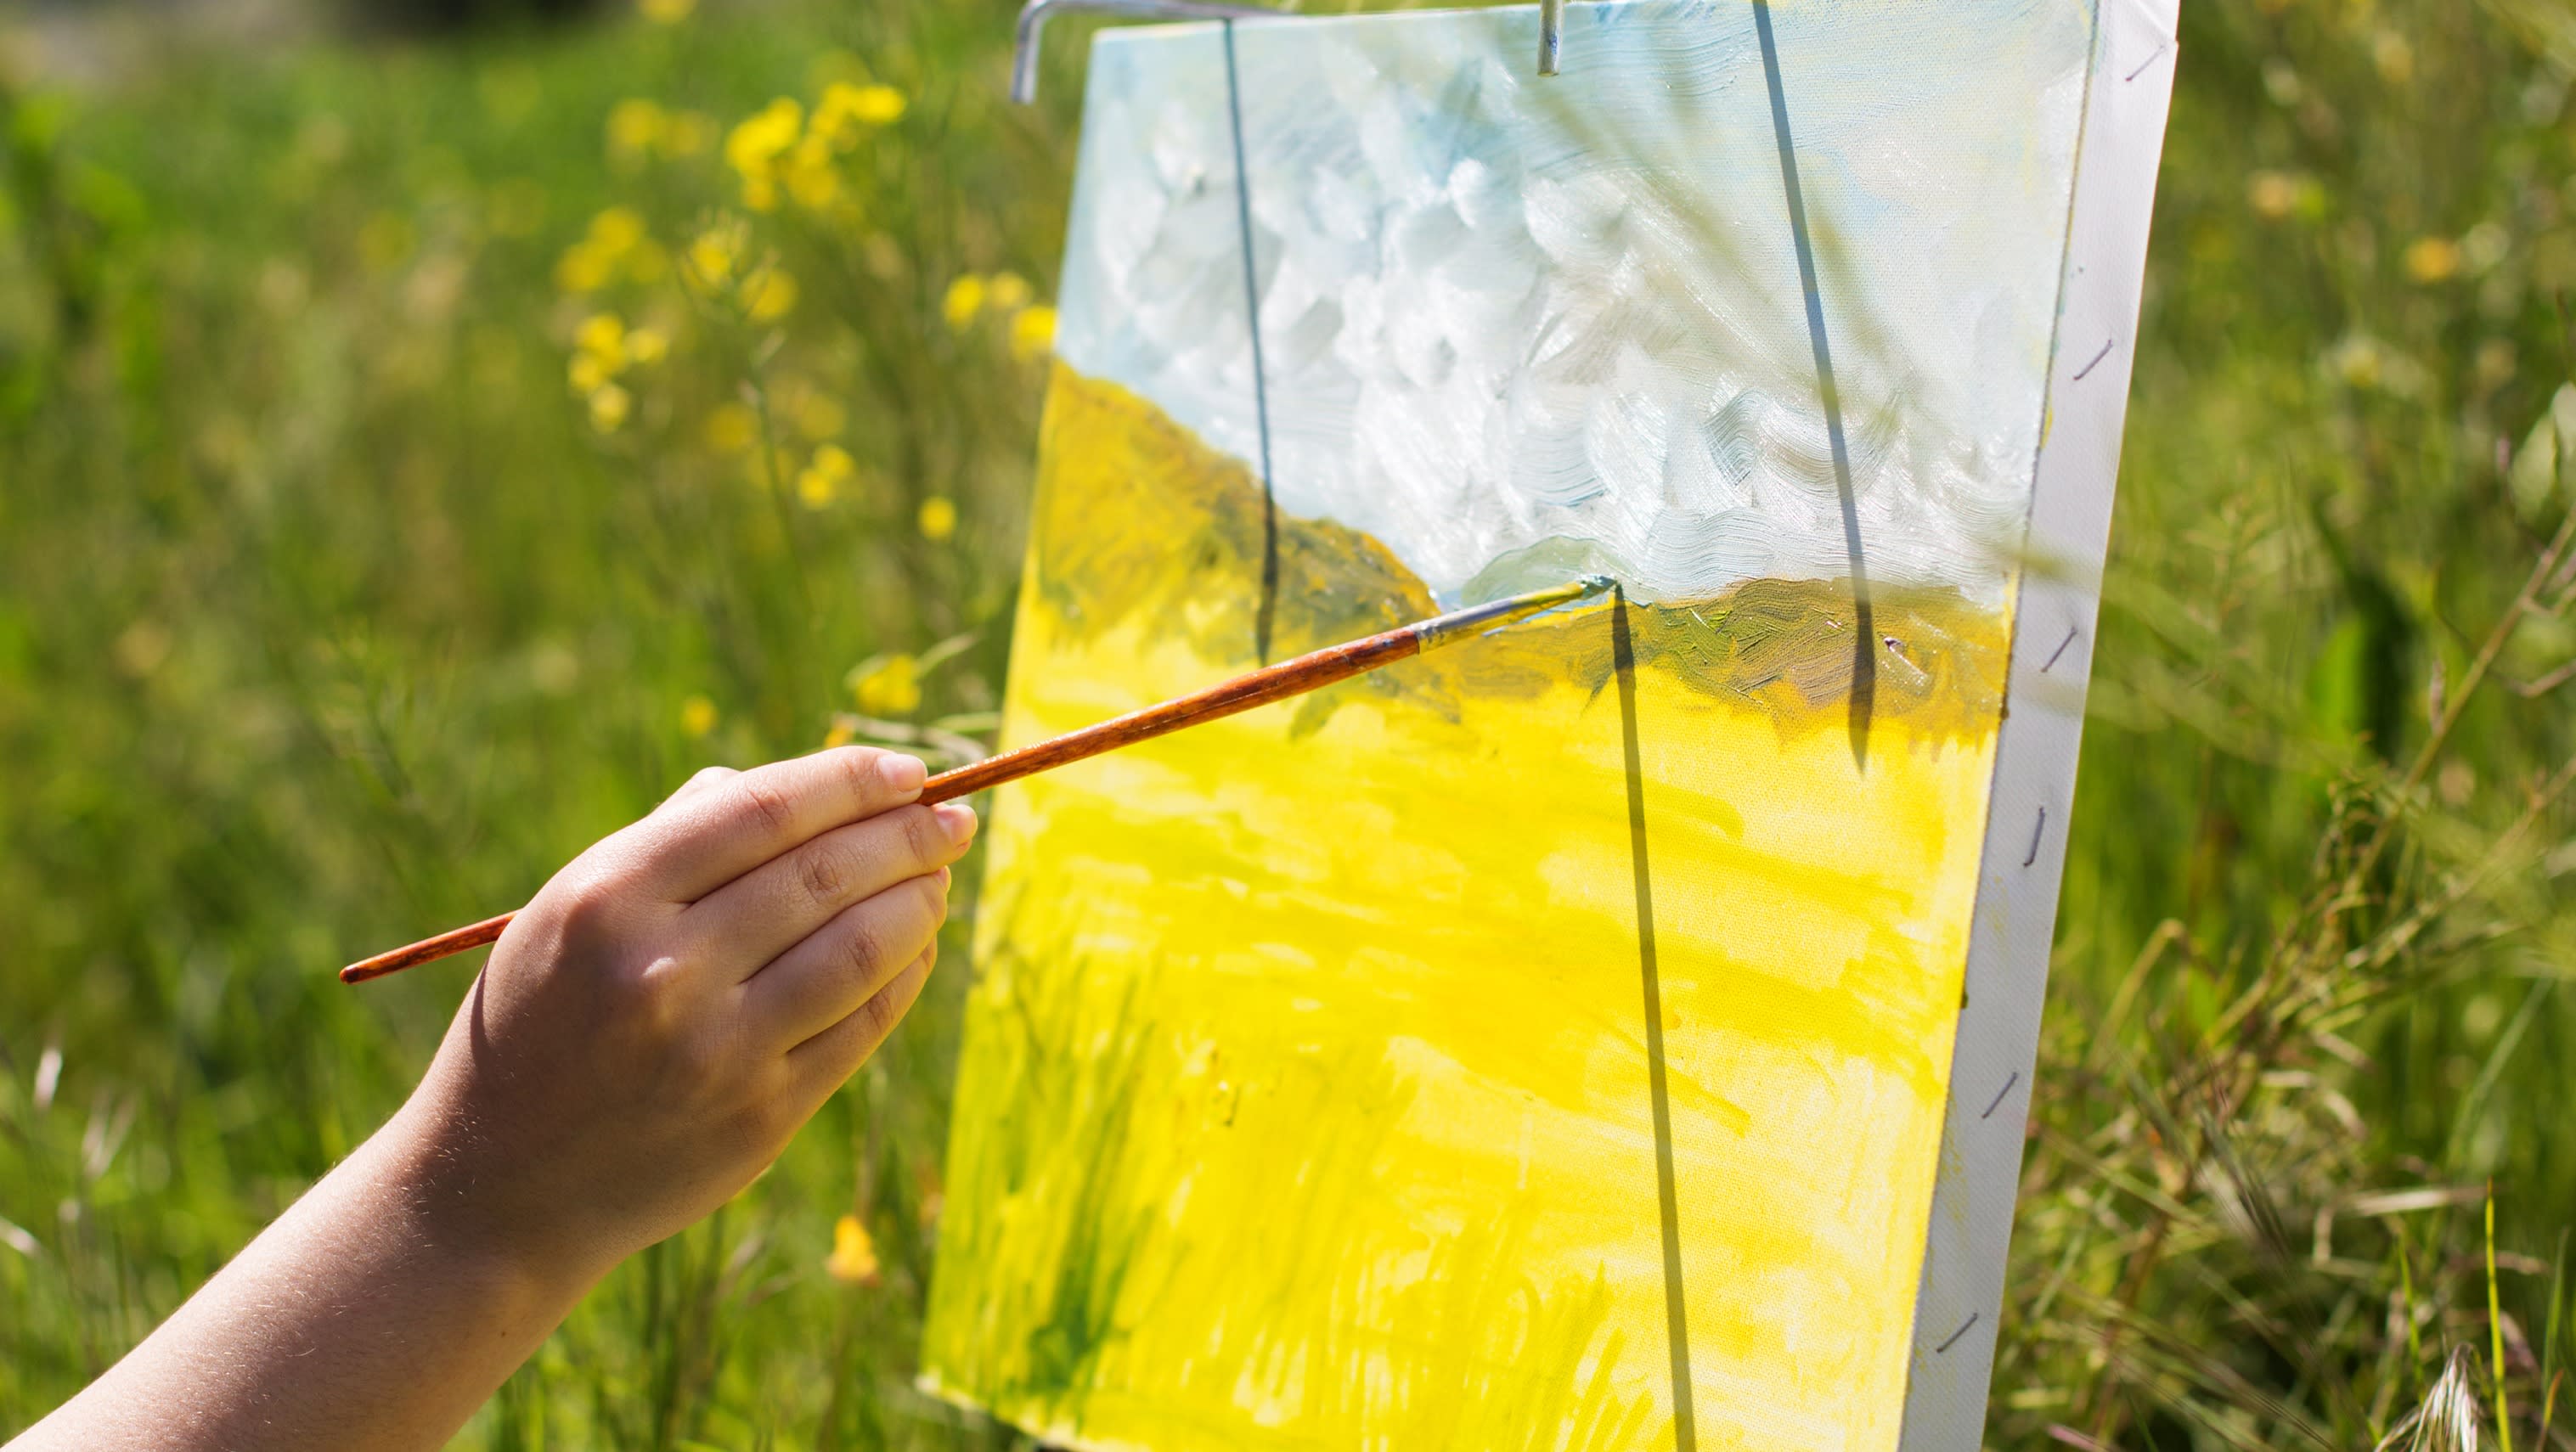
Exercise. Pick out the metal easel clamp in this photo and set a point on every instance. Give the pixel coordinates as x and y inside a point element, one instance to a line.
<point>1034,15</point>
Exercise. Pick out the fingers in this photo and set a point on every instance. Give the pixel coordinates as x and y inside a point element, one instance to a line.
<point>708,835</point>
<point>770,909</point>
<point>846,962</point>
<point>823,1062</point>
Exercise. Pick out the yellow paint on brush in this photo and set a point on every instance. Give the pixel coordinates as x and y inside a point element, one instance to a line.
<point>1304,1102</point>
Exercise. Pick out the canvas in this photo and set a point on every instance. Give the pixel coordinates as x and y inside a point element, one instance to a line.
<point>1611,1032</point>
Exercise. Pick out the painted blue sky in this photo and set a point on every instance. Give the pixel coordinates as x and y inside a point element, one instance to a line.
<point>1502,312</point>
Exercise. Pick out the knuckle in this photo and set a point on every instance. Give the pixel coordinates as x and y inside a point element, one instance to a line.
<point>862,948</point>
<point>859,773</point>
<point>661,1009</point>
<point>824,870</point>
<point>588,909</point>
<point>922,835</point>
<point>877,1016</point>
<point>762,798</point>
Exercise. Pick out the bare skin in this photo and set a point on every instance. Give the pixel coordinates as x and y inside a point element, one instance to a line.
<point>648,1035</point>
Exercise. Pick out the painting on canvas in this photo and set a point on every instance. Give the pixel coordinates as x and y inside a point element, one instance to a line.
<point>1548,1042</point>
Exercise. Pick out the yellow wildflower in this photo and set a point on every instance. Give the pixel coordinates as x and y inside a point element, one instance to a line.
<point>754,147</point>
<point>818,417</point>
<point>609,405</point>
<point>938,518</point>
<point>853,1261</point>
<point>697,716</point>
<point>1008,292</point>
<point>603,336</point>
<point>841,734</point>
<point>964,301</point>
<point>820,482</point>
<point>584,268</point>
<point>732,428</point>
<point>845,108</point>
<point>811,178</point>
<point>647,346</point>
<point>713,255</point>
<point>592,263</point>
<point>635,128</point>
<point>1033,331</point>
<point>892,689</point>
<point>878,105</point>
<point>834,125</point>
<point>600,353</point>
<point>617,229</point>
<point>666,12</point>
<point>769,293</point>
<point>2432,259</point>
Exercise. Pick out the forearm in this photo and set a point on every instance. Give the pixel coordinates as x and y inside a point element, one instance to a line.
<point>366,1317</point>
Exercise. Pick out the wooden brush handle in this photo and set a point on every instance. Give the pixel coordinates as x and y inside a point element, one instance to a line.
<point>427,950</point>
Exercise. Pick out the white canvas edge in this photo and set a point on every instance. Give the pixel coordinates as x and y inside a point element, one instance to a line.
<point>1959,1297</point>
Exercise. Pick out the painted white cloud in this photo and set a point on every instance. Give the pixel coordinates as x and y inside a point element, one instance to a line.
<point>1499,311</point>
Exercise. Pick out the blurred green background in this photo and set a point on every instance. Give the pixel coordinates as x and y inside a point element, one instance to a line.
<point>429,432</point>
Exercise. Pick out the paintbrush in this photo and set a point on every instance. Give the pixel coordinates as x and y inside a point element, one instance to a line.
<point>1256,688</point>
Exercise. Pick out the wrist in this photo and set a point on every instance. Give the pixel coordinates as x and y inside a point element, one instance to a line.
<point>434,1176</point>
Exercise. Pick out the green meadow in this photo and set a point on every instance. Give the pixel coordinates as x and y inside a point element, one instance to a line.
<point>417,456</point>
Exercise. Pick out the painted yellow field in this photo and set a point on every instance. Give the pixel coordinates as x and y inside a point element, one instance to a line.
<point>1304,1101</point>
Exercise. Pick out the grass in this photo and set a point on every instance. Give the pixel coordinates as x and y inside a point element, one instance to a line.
<point>327,617</point>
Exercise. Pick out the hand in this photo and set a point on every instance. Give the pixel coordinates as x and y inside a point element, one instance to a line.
<point>664,1015</point>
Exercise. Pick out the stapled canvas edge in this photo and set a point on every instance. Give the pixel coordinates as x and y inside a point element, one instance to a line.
<point>1959,1297</point>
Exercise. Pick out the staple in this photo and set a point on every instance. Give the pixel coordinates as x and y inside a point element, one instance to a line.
<point>1998,1101</point>
<point>2036,828</point>
<point>1551,35</point>
<point>2161,47</point>
<point>2096,363</point>
<point>2061,650</point>
<point>1953,1338</point>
